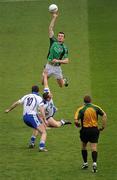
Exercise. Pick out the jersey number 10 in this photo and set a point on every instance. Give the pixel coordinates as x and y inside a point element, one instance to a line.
<point>29,101</point>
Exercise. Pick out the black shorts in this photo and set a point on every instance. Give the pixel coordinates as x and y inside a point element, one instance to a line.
<point>89,135</point>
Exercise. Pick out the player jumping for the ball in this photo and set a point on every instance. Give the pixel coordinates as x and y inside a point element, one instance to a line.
<point>57,55</point>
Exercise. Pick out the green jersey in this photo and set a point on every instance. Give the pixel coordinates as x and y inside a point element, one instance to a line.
<point>56,50</point>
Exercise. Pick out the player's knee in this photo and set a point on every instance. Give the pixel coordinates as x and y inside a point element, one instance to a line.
<point>61,84</point>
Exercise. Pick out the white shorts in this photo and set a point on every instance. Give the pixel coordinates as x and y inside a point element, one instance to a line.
<point>55,71</point>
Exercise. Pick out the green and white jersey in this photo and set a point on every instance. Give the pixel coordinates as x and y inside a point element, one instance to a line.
<point>57,50</point>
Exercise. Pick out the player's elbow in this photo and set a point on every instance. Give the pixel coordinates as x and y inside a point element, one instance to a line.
<point>50,32</point>
<point>49,29</point>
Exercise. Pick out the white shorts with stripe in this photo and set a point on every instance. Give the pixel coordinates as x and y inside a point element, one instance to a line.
<point>55,71</point>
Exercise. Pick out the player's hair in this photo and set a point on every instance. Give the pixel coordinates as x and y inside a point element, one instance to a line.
<point>45,95</point>
<point>87,99</point>
<point>61,33</point>
<point>35,89</point>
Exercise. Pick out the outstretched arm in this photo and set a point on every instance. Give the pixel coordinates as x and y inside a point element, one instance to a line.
<point>14,105</point>
<point>51,26</point>
<point>45,79</point>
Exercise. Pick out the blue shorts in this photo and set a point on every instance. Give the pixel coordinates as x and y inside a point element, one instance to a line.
<point>32,120</point>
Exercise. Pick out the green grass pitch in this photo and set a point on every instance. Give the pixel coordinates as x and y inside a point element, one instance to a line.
<point>90,27</point>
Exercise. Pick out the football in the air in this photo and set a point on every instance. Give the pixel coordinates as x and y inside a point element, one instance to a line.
<point>53,8</point>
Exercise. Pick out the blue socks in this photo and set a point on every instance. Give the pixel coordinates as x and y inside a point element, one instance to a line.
<point>32,141</point>
<point>41,145</point>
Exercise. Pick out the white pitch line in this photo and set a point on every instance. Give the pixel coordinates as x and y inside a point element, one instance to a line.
<point>4,1</point>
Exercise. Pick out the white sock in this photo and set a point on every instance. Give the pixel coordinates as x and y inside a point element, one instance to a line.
<point>94,164</point>
<point>62,121</point>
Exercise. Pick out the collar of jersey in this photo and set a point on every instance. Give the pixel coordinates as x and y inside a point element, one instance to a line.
<point>35,93</point>
<point>87,104</point>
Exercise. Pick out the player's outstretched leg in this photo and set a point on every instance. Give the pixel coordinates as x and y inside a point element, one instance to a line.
<point>65,122</point>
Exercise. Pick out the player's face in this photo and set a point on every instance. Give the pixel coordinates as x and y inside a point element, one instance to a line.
<point>61,38</point>
<point>49,97</point>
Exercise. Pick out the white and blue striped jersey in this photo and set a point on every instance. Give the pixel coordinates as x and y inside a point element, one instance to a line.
<point>31,103</point>
<point>50,109</point>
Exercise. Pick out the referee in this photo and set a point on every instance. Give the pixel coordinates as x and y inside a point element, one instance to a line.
<point>88,114</point>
